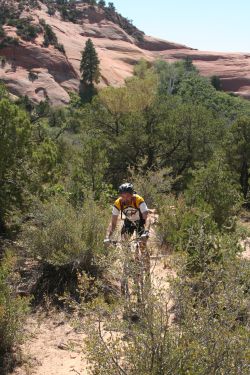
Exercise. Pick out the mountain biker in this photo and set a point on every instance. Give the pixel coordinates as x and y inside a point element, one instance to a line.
<point>135,210</point>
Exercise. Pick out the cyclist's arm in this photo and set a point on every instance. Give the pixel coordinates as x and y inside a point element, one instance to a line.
<point>113,222</point>
<point>144,212</point>
<point>146,219</point>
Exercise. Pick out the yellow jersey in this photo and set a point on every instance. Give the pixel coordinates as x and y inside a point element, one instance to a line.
<point>133,211</point>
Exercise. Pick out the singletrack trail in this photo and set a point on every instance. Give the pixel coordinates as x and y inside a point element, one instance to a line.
<point>246,246</point>
<point>54,347</point>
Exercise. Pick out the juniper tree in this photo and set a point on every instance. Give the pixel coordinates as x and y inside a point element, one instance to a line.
<point>90,64</point>
<point>102,3</point>
<point>111,7</point>
<point>89,67</point>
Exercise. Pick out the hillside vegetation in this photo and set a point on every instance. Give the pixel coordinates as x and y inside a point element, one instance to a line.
<point>186,146</point>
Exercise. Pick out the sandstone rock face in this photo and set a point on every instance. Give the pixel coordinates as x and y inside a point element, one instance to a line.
<point>56,74</point>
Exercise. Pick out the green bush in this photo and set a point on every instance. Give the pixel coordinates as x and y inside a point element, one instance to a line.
<point>13,309</point>
<point>15,151</point>
<point>2,32</point>
<point>153,186</point>
<point>175,220</point>
<point>25,29</point>
<point>9,41</point>
<point>212,313</point>
<point>193,231</point>
<point>204,248</point>
<point>60,48</point>
<point>209,335</point>
<point>214,186</point>
<point>61,234</point>
<point>51,10</point>
<point>50,37</point>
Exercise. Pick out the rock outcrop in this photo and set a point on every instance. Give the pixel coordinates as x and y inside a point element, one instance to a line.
<point>41,72</point>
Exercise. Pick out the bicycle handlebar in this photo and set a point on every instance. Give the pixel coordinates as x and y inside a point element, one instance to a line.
<point>116,242</point>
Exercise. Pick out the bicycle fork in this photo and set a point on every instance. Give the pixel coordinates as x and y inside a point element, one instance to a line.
<point>142,279</point>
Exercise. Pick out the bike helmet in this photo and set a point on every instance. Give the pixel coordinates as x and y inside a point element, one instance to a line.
<point>126,188</point>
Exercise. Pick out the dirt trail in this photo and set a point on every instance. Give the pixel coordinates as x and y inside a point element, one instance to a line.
<point>54,347</point>
<point>246,252</point>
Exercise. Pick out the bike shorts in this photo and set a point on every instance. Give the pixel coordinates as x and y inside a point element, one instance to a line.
<point>130,227</point>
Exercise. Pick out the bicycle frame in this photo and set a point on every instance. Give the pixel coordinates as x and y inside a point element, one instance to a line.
<point>136,266</point>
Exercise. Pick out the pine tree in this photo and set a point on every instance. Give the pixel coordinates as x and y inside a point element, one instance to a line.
<point>102,3</point>
<point>89,67</point>
<point>111,7</point>
<point>216,82</point>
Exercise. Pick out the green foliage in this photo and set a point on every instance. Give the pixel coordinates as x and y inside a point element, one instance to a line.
<point>123,22</point>
<point>15,131</point>
<point>152,185</point>
<point>216,83</point>
<point>141,68</point>
<point>210,334</point>
<point>196,89</point>
<point>4,94</point>
<point>191,135</point>
<point>8,11</point>
<point>9,41</point>
<point>61,234</point>
<point>60,47</point>
<point>45,157</point>
<point>171,132</point>
<point>176,219</point>
<point>25,29</point>
<point>2,32</point>
<point>214,186</point>
<point>13,309</point>
<point>199,90</point>
<point>51,10</point>
<point>205,247</point>
<point>50,37</point>
<point>170,75</point>
<point>102,3</point>
<point>90,65</point>
<point>90,167</point>
<point>212,310</point>
<point>237,147</point>
<point>111,7</point>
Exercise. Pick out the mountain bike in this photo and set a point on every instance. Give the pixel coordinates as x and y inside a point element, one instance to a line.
<point>135,277</point>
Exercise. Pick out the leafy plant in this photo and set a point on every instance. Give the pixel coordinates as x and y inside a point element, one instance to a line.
<point>61,234</point>
<point>214,186</point>
<point>13,309</point>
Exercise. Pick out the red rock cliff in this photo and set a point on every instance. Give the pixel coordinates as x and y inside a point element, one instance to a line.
<point>56,73</point>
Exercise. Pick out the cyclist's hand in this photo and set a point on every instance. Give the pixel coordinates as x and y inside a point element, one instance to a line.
<point>145,235</point>
<point>106,242</point>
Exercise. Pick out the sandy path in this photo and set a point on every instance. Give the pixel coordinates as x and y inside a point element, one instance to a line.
<point>246,252</point>
<point>52,347</point>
